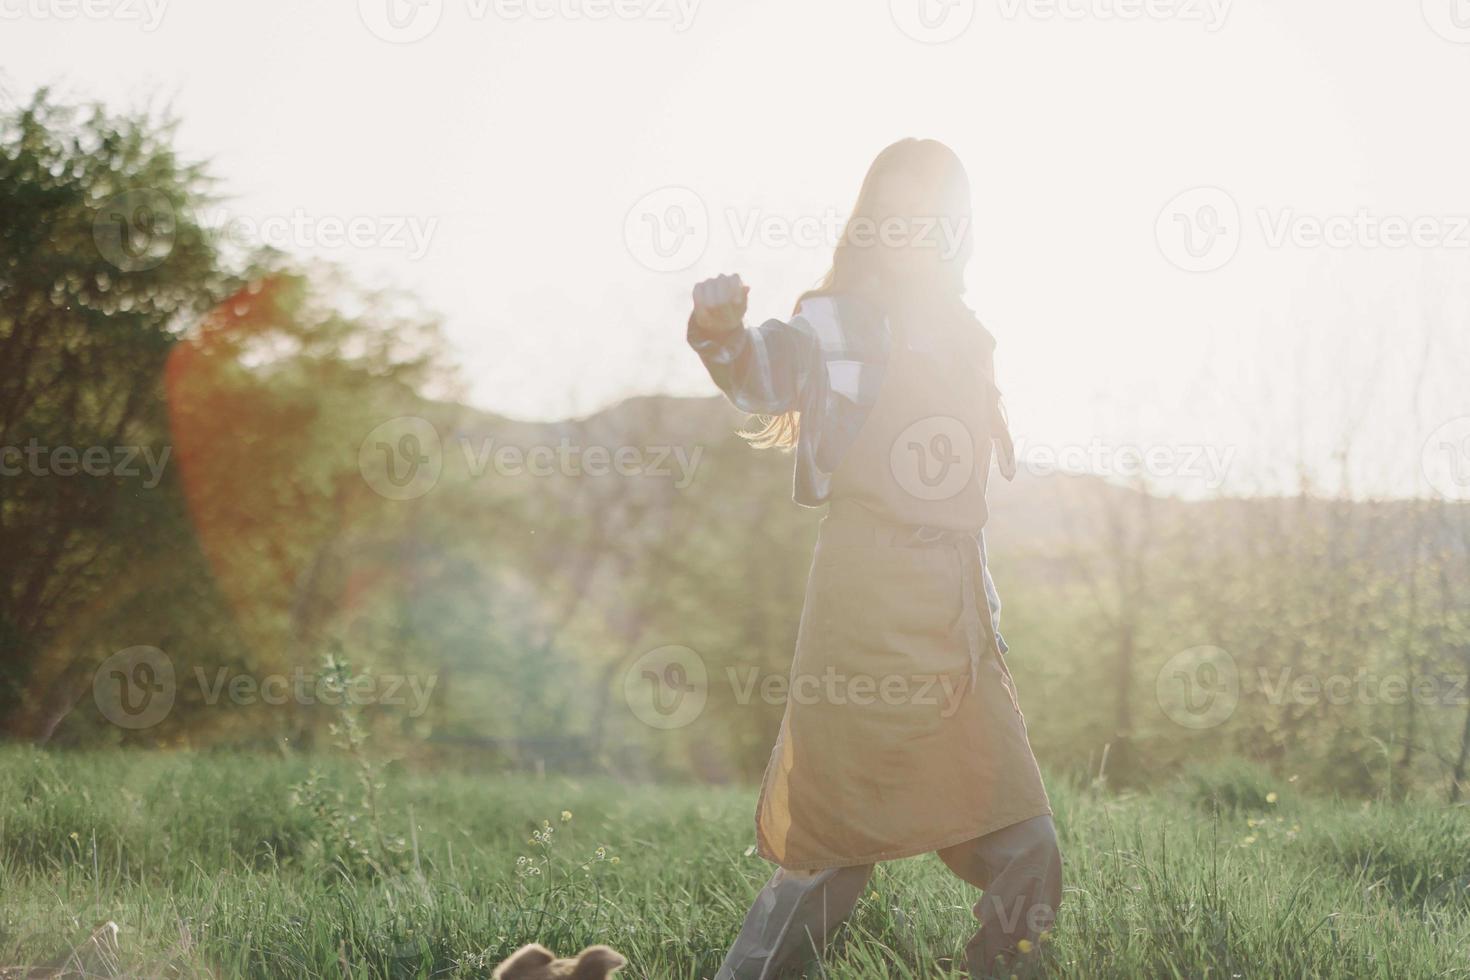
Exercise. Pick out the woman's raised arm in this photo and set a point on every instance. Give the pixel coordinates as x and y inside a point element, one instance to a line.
<point>762,370</point>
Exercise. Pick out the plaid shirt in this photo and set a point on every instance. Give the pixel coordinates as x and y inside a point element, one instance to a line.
<point>828,364</point>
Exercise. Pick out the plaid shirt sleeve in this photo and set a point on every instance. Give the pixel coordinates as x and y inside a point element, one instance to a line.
<point>763,370</point>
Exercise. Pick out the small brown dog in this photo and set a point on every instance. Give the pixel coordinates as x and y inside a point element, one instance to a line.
<point>536,962</point>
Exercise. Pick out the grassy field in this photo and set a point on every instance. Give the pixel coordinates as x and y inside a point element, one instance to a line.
<point>232,866</point>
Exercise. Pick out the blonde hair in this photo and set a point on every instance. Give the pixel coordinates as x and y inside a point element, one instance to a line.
<point>861,268</point>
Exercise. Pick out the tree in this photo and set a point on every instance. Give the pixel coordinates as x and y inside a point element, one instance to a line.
<point>101,266</point>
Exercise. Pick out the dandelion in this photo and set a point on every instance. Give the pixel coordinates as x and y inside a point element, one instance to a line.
<point>614,859</point>
<point>1248,841</point>
<point>566,816</point>
<point>1024,946</point>
<point>1271,797</point>
<point>1045,937</point>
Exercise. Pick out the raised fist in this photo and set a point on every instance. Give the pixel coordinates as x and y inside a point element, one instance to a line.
<point>719,304</point>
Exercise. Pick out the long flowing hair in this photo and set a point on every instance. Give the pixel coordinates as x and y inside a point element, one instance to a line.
<point>863,262</point>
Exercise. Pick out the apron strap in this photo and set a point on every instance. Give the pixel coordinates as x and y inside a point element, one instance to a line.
<point>972,578</point>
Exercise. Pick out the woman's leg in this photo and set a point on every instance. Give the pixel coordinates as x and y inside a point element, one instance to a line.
<point>791,920</point>
<point>1020,869</point>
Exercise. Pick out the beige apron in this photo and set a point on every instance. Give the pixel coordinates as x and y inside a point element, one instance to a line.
<point>902,732</point>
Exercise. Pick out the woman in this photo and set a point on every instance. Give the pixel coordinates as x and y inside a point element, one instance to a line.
<point>883,384</point>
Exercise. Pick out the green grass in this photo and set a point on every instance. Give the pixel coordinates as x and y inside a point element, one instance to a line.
<point>209,868</point>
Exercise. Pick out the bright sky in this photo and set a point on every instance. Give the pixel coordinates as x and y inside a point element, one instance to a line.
<point>511,164</point>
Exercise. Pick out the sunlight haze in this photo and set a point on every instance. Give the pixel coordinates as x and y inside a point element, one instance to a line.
<point>501,161</point>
